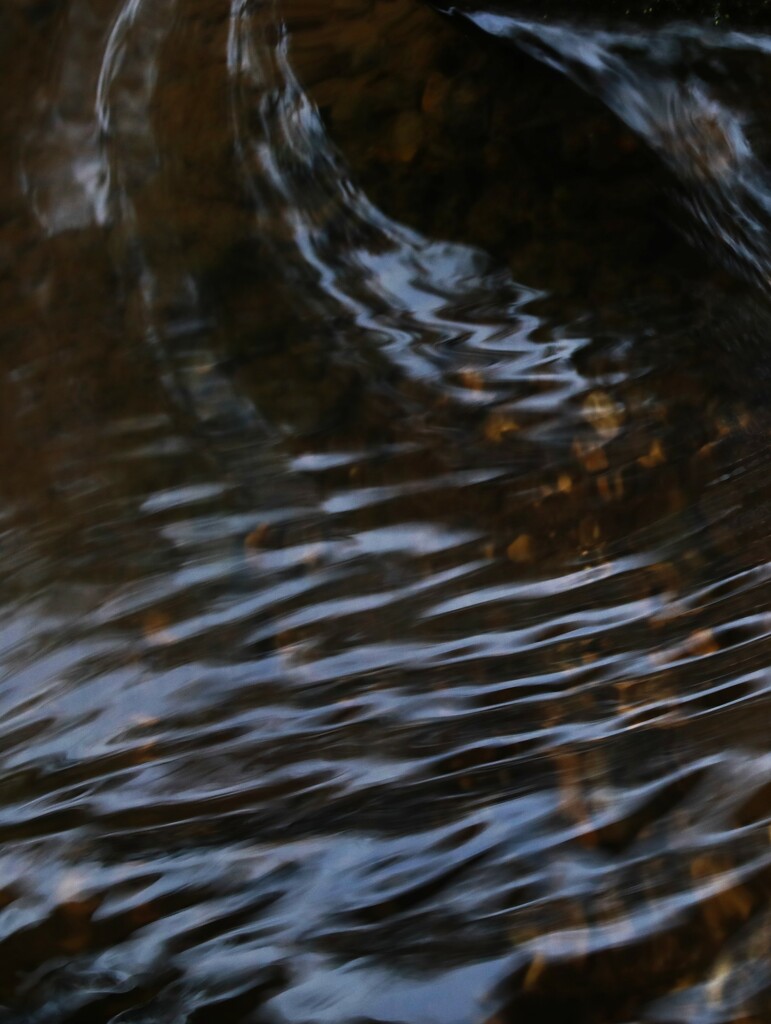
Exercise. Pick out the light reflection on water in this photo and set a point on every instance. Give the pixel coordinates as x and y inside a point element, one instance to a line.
<point>384,629</point>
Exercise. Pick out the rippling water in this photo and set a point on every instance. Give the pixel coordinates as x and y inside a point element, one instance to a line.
<point>386,580</point>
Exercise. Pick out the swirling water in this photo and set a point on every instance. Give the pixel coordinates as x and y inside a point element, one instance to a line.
<point>386,591</point>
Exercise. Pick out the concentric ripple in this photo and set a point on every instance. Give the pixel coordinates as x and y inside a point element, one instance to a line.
<point>385,613</point>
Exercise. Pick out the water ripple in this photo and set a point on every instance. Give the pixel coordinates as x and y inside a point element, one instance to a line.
<point>383,630</point>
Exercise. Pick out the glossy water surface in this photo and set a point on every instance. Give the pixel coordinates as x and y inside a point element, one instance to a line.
<point>386,578</point>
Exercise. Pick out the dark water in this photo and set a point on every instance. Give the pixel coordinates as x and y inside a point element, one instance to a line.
<point>386,578</point>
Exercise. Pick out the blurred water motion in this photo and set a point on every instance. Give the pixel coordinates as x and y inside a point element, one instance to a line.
<point>385,489</point>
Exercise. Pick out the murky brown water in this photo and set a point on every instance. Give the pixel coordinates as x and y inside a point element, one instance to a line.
<point>386,587</point>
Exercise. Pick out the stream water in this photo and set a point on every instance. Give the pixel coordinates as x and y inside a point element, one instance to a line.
<point>385,598</point>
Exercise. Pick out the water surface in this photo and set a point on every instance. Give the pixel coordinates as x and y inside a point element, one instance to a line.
<point>385,487</point>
